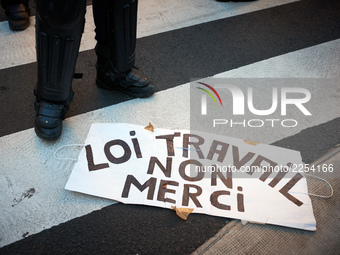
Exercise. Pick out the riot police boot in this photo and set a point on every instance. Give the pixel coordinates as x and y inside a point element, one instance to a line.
<point>49,119</point>
<point>132,82</point>
<point>18,16</point>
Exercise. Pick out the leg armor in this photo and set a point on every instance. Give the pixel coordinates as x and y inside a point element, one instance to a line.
<point>59,27</point>
<point>122,33</point>
<point>116,28</point>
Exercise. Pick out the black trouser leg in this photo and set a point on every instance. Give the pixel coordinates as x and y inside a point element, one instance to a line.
<point>100,16</point>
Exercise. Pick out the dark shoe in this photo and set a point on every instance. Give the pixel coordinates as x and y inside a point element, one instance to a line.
<point>18,16</point>
<point>49,120</point>
<point>134,82</point>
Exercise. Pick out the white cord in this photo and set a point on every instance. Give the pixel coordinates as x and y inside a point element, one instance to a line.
<point>330,186</point>
<point>69,145</point>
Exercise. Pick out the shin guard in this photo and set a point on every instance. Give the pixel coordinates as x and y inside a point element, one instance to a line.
<point>122,29</point>
<point>59,27</point>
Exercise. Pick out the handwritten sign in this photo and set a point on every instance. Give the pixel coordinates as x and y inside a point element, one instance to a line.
<point>211,174</point>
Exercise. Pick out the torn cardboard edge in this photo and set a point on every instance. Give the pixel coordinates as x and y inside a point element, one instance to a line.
<point>250,142</point>
<point>183,213</point>
<point>150,127</point>
<point>244,222</point>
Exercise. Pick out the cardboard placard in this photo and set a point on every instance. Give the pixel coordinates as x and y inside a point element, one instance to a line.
<point>208,173</point>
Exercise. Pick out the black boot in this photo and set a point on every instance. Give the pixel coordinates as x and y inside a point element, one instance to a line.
<point>18,16</point>
<point>116,27</point>
<point>49,119</point>
<point>133,82</point>
<point>59,27</point>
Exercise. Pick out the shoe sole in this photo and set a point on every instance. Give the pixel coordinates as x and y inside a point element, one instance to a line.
<point>14,27</point>
<point>47,138</point>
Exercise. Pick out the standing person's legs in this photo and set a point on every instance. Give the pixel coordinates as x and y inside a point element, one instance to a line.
<point>18,14</point>
<point>116,28</point>
<point>59,27</point>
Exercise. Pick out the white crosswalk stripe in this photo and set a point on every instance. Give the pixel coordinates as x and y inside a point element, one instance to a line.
<point>18,48</point>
